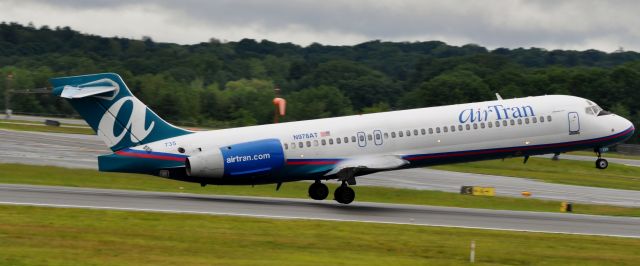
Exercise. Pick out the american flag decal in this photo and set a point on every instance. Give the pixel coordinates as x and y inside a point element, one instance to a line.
<point>325,134</point>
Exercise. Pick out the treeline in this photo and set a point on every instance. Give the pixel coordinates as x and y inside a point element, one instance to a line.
<point>224,84</point>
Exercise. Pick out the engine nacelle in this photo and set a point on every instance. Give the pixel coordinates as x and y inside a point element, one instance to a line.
<point>242,159</point>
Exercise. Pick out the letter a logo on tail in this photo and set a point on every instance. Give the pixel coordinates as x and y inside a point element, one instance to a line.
<point>135,125</point>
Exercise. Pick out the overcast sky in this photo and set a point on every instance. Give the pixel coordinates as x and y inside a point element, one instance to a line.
<point>571,24</point>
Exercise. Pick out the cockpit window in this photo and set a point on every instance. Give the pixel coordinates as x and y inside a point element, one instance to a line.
<point>604,112</point>
<point>594,109</point>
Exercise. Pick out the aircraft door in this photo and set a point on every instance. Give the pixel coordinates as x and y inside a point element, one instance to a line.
<point>574,123</point>
<point>362,139</point>
<point>377,137</point>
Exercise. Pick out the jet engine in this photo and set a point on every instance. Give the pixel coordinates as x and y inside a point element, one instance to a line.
<point>241,159</point>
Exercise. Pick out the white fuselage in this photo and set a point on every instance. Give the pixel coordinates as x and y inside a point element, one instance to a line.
<point>521,126</point>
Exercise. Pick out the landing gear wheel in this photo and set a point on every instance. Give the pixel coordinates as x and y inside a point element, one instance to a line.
<point>344,194</point>
<point>602,163</point>
<point>318,191</point>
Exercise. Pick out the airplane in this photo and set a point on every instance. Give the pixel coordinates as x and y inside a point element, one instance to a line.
<point>340,148</point>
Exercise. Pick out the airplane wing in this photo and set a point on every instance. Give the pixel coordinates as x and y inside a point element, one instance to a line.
<point>349,168</point>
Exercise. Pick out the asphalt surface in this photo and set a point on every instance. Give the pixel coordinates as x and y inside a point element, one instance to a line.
<point>80,151</point>
<point>54,149</point>
<point>314,210</point>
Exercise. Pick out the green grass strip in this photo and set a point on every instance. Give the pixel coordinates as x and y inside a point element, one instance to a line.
<point>42,128</point>
<point>606,155</point>
<point>570,172</point>
<point>56,236</point>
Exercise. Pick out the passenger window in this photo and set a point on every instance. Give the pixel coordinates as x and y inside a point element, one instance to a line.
<point>323,142</point>
<point>526,120</point>
<point>315,143</point>
<point>369,137</point>
<point>361,137</point>
<point>534,120</point>
<point>286,146</point>
<point>338,140</point>
<point>504,123</point>
<point>482,125</point>
<point>386,135</point>
<point>445,129</point>
<point>346,139</point>
<point>308,143</point>
<point>393,134</point>
<point>497,123</point>
<point>490,124</point>
<point>415,132</point>
<point>400,134</point>
<point>468,126</point>
<point>293,145</point>
<point>460,127</point>
<point>430,130</point>
<point>378,137</point>
<point>353,138</point>
<point>548,118</point>
<point>300,145</point>
<point>408,133</point>
<point>453,128</point>
<point>437,130</point>
<point>423,131</point>
<point>330,141</point>
<point>475,126</point>
<point>542,119</point>
<point>513,122</point>
<point>519,121</point>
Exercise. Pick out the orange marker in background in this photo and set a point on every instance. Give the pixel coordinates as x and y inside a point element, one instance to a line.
<point>281,105</point>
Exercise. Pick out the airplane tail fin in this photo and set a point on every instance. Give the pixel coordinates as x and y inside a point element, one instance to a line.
<point>119,118</point>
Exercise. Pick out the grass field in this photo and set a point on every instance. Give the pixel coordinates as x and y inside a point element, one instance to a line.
<point>41,175</point>
<point>54,236</point>
<point>570,172</point>
<point>39,127</point>
<point>606,155</point>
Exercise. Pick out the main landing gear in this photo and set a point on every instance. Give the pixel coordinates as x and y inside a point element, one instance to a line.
<point>318,191</point>
<point>601,163</point>
<point>343,194</point>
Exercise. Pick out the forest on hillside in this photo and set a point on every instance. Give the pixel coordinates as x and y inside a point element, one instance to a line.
<point>222,84</point>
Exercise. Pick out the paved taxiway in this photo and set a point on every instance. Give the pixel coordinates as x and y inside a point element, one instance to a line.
<point>325,210</point>
<point>80,151</point>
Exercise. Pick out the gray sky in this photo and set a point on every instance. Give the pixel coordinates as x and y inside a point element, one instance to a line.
<point>570,24</point>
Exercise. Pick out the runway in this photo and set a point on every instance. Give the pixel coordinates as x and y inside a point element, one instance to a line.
<point>325,210</point>
<point>80,151</point>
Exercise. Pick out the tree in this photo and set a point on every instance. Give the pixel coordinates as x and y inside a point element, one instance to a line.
<point>448,88</point>
<point>317,102</point>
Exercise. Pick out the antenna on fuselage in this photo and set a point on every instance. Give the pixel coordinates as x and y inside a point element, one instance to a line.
<point>498,96</point>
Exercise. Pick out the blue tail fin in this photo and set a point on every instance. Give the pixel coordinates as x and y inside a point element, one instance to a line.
<point>119,118</point>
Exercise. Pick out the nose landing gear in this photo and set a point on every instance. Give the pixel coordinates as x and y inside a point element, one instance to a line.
<point>600,162</point>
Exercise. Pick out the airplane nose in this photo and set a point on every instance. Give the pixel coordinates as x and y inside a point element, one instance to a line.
<point>630,125</point>
<point>625,125</point>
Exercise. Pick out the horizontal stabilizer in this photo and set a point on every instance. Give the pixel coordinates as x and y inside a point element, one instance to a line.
<point>71,92</point>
